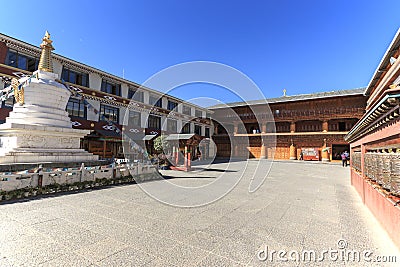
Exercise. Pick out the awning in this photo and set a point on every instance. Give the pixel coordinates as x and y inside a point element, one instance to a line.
<point>173,137</point>
<point>149,137</point>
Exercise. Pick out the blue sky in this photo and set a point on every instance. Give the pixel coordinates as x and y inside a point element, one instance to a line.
<point>303,46</point>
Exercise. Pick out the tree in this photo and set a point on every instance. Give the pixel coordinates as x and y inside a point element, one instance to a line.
<point>160,144</point>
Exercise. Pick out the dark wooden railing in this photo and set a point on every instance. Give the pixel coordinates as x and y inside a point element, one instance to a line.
<point>301,113</point>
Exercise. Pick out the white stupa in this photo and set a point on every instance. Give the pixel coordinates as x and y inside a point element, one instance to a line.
<point>38,129</point>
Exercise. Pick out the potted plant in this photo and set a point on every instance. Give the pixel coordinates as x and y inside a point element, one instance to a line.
<point>33,191</point>
<point>8,196</point>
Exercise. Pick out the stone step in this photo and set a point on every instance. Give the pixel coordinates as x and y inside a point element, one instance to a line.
<point>40,121</point>
<point>37,108</point>
<point>46,150</point>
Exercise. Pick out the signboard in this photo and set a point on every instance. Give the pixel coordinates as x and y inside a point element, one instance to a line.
<point>310,153</point>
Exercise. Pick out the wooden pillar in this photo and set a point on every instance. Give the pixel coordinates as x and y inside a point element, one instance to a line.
<point>185,156</point>
<point>325,152</point>
<point>324,126</point>
<point>175,155</point>
<point>263,154</point>
<point>292,126</point>
<point>263,127</point>
<point>363,151</point>
<point>293,153</point>
<point>235,127</point>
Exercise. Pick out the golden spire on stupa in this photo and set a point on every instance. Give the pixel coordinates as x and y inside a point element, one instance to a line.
<point>45,62</point>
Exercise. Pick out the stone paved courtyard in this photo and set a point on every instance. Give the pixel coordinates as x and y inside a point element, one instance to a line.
<point>300,206</point>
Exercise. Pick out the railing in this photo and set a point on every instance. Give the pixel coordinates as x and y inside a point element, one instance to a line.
<point>301,113</point>
<point>75,178</point>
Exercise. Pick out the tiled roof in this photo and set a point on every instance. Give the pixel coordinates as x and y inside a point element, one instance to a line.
<point>358,91</point>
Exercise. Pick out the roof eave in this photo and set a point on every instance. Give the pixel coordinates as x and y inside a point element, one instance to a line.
<point>384,60</point>
<point>283,100</point>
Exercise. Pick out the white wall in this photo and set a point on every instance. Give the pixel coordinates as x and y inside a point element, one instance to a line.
<point>192,127</point>
<point>180,108</point>
<point>90,113</point>
<point>95,81</point>
<point>146,96</point>
<point>164,102</point>
<point>143,119</point>
<point>57,67</point>
<point>163,123</point>
<point>123,116</point>
<point>124,90</point>
<point>179,126</point>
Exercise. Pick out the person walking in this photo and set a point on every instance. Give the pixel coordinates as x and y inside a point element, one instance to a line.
<point>344,159</point>
<point>347,158</point>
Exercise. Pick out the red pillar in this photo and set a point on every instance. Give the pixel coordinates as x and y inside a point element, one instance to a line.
<point>363,150</point>
<point>189,162</point>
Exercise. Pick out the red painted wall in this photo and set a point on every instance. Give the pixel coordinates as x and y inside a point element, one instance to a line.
<point>383,208</point>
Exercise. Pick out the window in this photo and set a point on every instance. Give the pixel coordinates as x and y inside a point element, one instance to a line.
<point>108,113</point>
<point>186,110</point>
<point>186,128</point>
<point>76,108</point>
<point>332,127</point>
<point>21,61</point>
<point>154,122</point>
<point>198,113</point>
<point>282,127</point>
<point>75,77</point>
<point>342,126</point>
<point>308,126</point>
<point>155,101</point>
<point>134,118</point>
<point>207,132</point>
<point>197,129</point>
<point>172,105</point>
<point>171,125</point>
<point>135,94</point>
<point>111,88</point>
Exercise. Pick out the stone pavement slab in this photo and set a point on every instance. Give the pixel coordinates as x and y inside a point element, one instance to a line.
<point>299,207</point>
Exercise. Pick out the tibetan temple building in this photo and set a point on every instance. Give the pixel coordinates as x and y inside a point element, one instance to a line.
<point>311,126</point>
<point>104,100</point>
<point>375,143</point>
